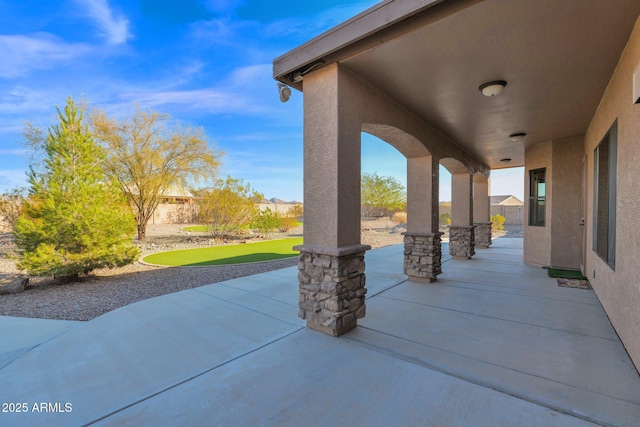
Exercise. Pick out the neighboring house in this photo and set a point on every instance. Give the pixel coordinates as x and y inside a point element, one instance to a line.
<point>476,85</point>
<point>510,207</point>
<point>178,206</point>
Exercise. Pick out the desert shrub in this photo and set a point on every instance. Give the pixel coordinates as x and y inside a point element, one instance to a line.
<point>228,207</point>
<point>445,219</point>
<point>286,222</point>
<point>399,217</point>
<point>265,222</point>
<point>296,211</point>
<point>497,222</point>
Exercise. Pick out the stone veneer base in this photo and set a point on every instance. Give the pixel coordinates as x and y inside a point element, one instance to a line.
<point>422,256</point>
<point>461,241</point>
<point>332,287</point>
<point>482,234</point>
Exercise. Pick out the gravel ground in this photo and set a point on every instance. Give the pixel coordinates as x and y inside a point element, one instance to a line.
<point>106,290</point>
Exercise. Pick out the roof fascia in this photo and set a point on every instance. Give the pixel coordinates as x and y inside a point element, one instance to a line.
<point>364,31</point>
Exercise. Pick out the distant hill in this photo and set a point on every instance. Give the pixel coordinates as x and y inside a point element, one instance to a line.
<point>280,201</point>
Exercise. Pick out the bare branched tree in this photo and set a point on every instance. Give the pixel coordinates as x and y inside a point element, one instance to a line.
<point>149,158</point>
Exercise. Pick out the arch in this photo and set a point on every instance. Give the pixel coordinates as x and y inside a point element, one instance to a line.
<point>405,143</point>
<point>454,166</point>
<point>480,177</point>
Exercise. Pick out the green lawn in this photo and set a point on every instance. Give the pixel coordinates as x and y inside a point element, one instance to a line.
<point>233,254</point>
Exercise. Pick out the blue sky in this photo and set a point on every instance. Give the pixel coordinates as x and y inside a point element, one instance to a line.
<point>205,62</point>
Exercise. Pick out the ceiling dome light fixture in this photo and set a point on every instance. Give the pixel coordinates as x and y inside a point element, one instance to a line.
<point>505,160</point>
<point>493,88</point>
<point>517,137</point>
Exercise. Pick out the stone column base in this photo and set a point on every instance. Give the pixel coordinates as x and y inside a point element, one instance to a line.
<point>461,241</point>
<point>332,287</point>
<point>422,256</point>
<point>482,234</point>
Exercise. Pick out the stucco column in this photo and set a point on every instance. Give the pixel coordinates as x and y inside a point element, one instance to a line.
<point>331,267</point>
<point>461,236</point>
<point>481,211</point>
<point>422,241</point>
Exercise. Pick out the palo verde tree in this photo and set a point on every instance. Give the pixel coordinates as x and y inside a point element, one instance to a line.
<point>74,219</point>
<point>382,195</point>
<point>148,158</point>
<point>228,206</point>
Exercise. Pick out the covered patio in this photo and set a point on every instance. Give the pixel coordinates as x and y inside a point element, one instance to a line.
<point>474,86</point>
<point>494,343</point>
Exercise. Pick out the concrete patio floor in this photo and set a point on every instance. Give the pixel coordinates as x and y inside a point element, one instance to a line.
<point>493,342</point>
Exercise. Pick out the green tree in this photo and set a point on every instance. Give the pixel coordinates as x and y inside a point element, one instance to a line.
<point>382,195</point>
<point>148,158</point>
<point>445,218</point>
<point>74,219</point>
<point>228,206</point>
<point>266,221</point>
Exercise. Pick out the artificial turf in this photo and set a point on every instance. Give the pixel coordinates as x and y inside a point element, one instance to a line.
<point>565,274</point>
<point>232,254</point>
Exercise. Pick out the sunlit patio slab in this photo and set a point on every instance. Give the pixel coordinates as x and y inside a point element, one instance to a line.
<point>465,350</point>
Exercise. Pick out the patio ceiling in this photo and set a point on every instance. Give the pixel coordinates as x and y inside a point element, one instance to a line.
<point>431,56</point>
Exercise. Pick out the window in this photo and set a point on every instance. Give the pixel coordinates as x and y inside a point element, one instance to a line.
<point>604,199</point>
<point>537,196</point>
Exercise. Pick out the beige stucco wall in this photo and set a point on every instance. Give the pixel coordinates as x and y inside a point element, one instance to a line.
<point>175,213</point>
<point>619,290</point>
<point>481,200</point>
<point>537,240</point>
<point>567,202</point>
<point>281,208</point>
<point>338,106</point>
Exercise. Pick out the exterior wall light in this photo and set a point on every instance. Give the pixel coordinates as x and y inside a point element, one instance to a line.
<point>505,160</point>
<point>493,88</point>
<point>517,137</point>
<point>284,91</point>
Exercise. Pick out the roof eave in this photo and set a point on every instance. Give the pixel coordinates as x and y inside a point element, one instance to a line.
<point>353,36</point>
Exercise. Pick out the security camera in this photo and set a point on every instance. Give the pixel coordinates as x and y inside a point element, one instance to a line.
<point>284,91</point>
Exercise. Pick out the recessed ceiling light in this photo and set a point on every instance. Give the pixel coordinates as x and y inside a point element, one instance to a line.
<point>505,160</point>
<point>517,137</point>
<point>492,88</point>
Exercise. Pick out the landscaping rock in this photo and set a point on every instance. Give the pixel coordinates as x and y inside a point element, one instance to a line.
<point>12,283</point>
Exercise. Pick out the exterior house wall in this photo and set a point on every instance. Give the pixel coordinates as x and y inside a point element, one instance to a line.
<point>513,215</point>
<point>538,239</point>
<point>619,289</point>
<point>175,213</point>
<point>567,203</point>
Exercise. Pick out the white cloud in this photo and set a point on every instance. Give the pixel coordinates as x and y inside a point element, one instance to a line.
<point>209,99</point>
<point>22,99</point>
<point>22,53</point>
<point>240,92</point>
<point>115,28</point>
<point>252,74</point>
